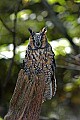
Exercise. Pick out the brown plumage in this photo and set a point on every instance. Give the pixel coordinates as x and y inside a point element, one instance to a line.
<point>36,81</point>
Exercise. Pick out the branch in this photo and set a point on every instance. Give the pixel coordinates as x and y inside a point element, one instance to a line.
<point>6,25</point>
<point>69,66</point>
<point>59,25</point>
<point>9,73</point>
<point>46,118</point>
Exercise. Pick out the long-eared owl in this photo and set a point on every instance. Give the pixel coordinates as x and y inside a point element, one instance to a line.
<point>36,81</point>
<point>40,59</point>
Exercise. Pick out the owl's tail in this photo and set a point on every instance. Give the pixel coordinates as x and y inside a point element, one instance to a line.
<point>27,97</point>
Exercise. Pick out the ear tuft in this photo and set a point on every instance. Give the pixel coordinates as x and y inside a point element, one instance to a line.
<point>44,30</point>
<point>30,30</point>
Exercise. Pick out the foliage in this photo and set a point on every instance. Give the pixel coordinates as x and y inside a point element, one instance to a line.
<point>1,118</point>
<point>63,21</point>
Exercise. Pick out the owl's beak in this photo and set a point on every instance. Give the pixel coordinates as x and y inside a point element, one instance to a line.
<point>38,44</point>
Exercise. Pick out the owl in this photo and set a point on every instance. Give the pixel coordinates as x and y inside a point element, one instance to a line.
<point>36,82</point>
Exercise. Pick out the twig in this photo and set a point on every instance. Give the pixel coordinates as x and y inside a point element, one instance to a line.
<point>43,118</point>
<point>6,25</point>
<point>46,118</point>
<point>71,67</point>
<point>59,25</point>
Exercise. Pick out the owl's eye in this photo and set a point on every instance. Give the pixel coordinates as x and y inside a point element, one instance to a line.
<point>37,37</point>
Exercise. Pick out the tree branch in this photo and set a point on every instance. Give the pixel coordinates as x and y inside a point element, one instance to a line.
<point>59,25</point>
<point>46,118</point>
<point>69,66</point>
<point>6,25</point>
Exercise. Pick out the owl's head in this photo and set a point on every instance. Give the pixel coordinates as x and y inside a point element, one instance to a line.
<point>38,40</point>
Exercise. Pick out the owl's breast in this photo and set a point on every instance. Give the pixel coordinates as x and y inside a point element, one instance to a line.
<point>38,61</point>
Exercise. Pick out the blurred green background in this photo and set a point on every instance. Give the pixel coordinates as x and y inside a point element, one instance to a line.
<point>62,17</point>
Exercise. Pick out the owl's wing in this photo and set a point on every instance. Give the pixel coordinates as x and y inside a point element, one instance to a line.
<point>53,83</point>
<point>53,76</point>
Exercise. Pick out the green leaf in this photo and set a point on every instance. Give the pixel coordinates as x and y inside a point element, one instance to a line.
<point>62,2</point>
<point>59,8</point>
<point>78,1</point>
<point>77,81</point>
<point>1,118</point>
<point>68,87</point>
<point>36,1</point>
